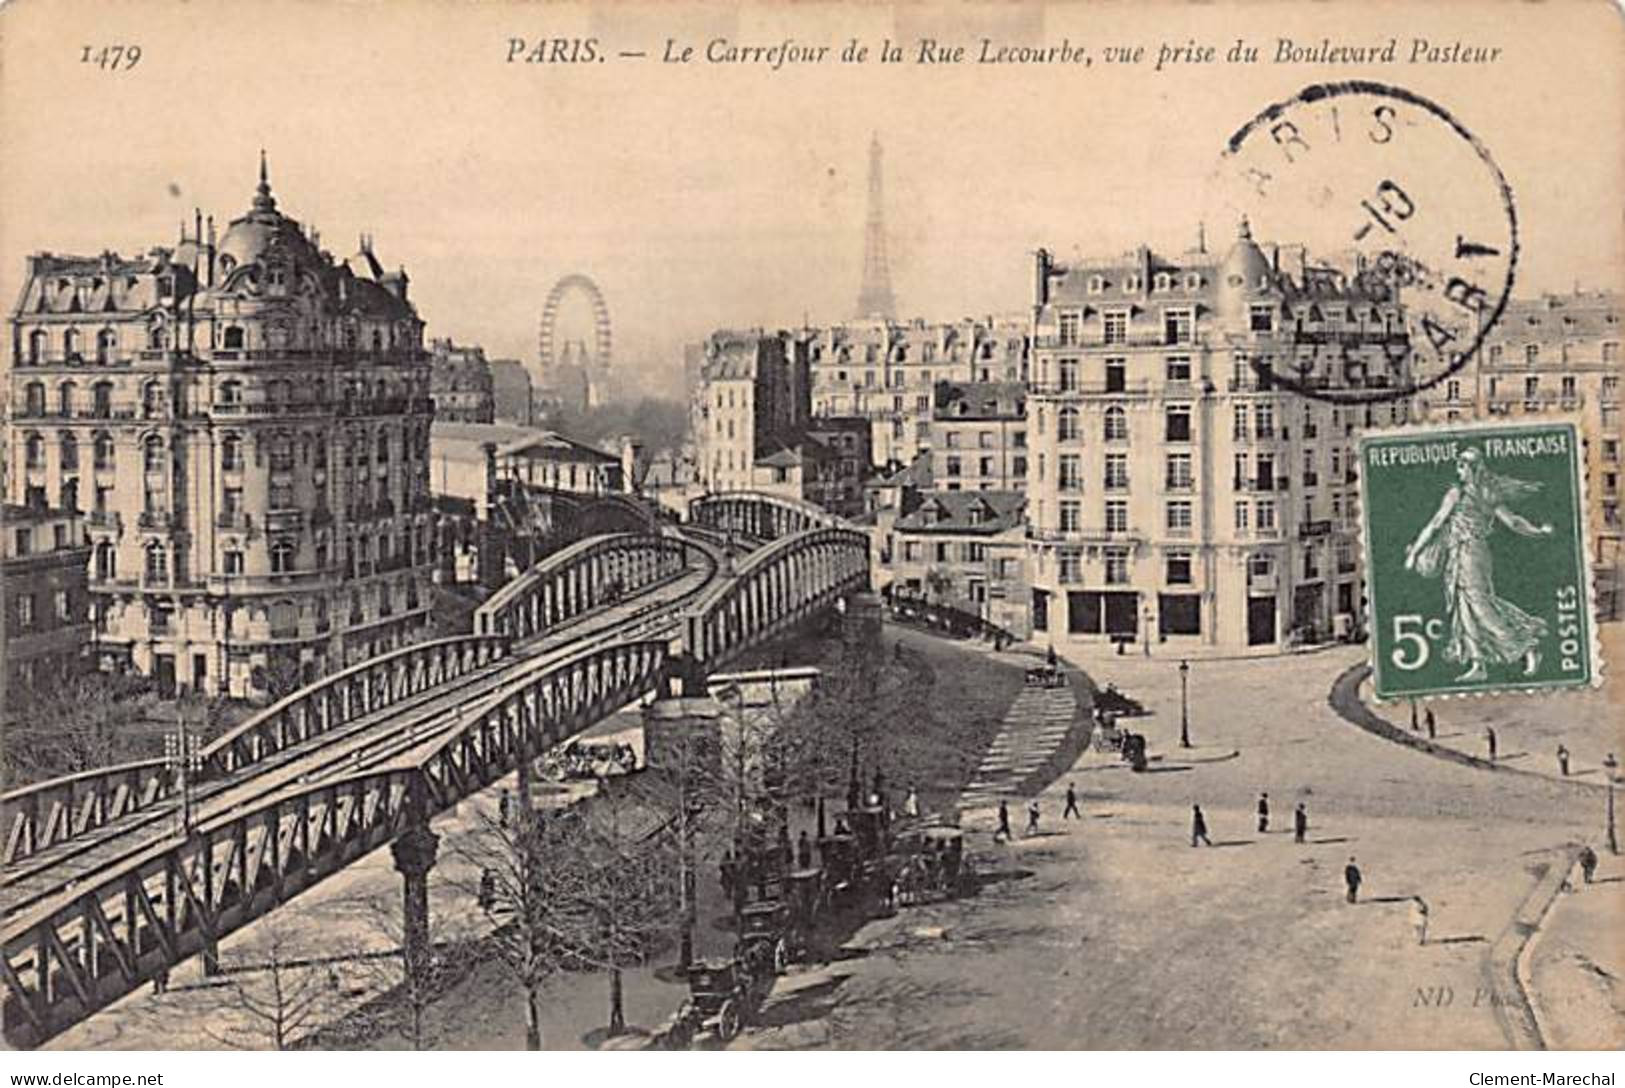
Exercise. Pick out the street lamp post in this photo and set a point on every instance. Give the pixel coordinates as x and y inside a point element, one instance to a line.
<point>182,753</point>
<point>1184,705</point>
<point>1611,765</point>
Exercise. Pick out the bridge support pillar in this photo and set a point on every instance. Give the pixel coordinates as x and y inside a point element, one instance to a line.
<point>683,738</point>
<point>414,850</point>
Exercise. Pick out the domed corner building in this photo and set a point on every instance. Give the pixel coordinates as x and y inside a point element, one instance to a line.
<point>245,425</point>
<point>1178,495</point>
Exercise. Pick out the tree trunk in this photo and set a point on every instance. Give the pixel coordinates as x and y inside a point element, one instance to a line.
<point>533,1018</point>
<point>617,1013</point>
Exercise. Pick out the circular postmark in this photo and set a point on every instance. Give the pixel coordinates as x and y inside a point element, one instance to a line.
<point>1374,196</point>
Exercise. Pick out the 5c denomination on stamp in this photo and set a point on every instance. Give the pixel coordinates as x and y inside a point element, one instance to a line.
<point>1476,565</point>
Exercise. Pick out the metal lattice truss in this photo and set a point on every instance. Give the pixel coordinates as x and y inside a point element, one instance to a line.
<point>586,575</point>
<point>120,927</point>
<point>774,589</point>
<point>757,516</point>
<point>292,812</point>
<point>50,814</point>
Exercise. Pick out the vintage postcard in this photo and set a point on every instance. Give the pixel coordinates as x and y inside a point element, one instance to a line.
<point>599,526</point>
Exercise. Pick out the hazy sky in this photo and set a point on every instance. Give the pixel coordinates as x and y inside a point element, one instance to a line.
<point>704,195</point>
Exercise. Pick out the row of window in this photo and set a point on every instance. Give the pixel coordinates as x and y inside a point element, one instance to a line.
<point>1568,387</point>
<point>1532,352</point>
<point>277,336</point>
<point>985,466</point>
<point>898,353</point>
<point>279,451</point>
<point>1176,424</point>
<point>361,555</point>
<point>26,614</point>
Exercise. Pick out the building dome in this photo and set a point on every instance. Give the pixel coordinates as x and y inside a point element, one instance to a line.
<point>1245,274</point>
<point>251,236</point>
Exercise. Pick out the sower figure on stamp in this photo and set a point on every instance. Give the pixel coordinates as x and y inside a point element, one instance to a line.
<point>1485,629</point>
<point>1199,826</point>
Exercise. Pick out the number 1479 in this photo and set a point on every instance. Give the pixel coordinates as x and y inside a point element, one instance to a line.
<point>112,58</point>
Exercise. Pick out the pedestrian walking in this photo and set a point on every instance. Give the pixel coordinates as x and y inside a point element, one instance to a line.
<point>803,851</point>
<point>1263,813</point>
<point>1032,816</point>
<point>897,651</point>
<point>1199,826</point>
<point>1003,833</point>
<point>1050,657</point>
<point>911,803</point>
<point>1352,878</point>
<point>1071,803</point>
<point>1432,726</point>
<point>1300,823</point>
<point>504,802</point>
<point>1588,863</point>
<point>1563,760</point>
<point>1489,738</point>
<point>1419,918</point>
<point>160,981</point>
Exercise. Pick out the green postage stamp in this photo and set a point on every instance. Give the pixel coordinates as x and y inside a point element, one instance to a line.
<point>1476,559</point>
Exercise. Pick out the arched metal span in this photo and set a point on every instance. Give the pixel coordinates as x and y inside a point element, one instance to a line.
<point>759,515</point>
<point>550,312</point>
<point>72,950</point>
<point>586,575</point>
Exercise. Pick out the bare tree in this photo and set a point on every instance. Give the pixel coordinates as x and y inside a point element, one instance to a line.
<point>522,864</point>
<point>408,994</point>
<point>622,884</point>
<point>74,723</point>
<point>277,994</point>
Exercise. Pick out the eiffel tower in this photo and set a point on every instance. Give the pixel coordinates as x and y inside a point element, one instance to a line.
<point>875,298</point>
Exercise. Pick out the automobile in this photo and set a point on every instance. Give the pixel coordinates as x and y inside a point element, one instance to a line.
<point>764,937</point>
<point>723,996</point>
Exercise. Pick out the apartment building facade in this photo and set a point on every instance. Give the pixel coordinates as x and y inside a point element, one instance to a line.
<point>1553,354</point>
<point>245,424</point>
<point>1176,492</point>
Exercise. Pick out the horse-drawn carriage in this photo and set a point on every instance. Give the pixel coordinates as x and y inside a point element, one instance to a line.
<point>929,864</point>
<point>589,759</point>
<point>1047,675</point>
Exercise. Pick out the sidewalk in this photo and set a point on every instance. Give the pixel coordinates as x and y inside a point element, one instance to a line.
<point>1576,963</point>
<point>1528,728</point>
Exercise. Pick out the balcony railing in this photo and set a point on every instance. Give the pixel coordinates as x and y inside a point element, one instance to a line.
<point>1311,529</point>
<point>104,519</point>
<point>1085,536</point>
<point>234,519</point>
<point>1137,388</point>
<point>284,521</point>
<point>159,519</point>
